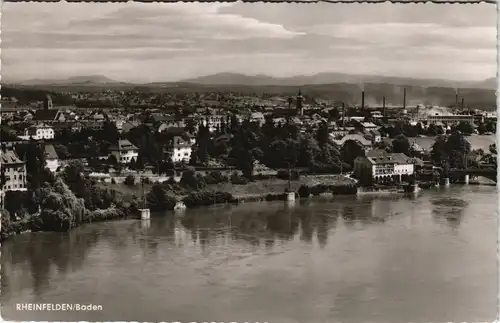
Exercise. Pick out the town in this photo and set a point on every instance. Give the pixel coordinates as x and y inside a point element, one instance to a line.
<point>110,144</point>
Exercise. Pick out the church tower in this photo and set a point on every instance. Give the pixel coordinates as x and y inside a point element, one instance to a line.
<point>299,108</point>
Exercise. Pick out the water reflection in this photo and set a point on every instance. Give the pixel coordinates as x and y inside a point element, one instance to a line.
<point>246,249</point>
<point>449,209</point>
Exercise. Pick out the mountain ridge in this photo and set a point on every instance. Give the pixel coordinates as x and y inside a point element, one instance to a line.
<point>228,78</point>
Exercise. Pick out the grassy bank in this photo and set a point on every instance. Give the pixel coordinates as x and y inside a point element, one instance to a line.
<point>255,189</point>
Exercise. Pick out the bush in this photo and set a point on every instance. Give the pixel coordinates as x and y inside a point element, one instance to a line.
<point>237,179</point>
<point>215,177</point>
<point>129,180</point>
<point>284,174</point>
<point>205,198</point>
<point>190,179</point>
<point>113,181</point>
<point>105,214</point>
<point>304,191</point>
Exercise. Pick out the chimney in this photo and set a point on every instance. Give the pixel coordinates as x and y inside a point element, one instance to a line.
<point>456,99</point>
<point>383,105</point>
<point>463,103</point>
<point>404,98</point>
<point>363,100</point>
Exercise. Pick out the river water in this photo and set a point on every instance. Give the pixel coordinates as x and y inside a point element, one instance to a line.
<point>342,259</point>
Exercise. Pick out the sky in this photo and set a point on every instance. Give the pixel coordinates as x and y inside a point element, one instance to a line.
<point>146,42</point>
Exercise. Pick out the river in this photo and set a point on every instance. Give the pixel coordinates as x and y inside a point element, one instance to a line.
<point>342,259</point>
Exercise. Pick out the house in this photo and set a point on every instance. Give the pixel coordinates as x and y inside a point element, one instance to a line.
<point>257,117</point>
<point>124,151</point>
<point>379,166</point>
<point>171,124</point>
<point>39,132</point>
<point>14,170</point>
<point>48,114</point>
<point>375,136</point>
<point>365,143</point>
<point>51,158</point>
<point>179,149</point>
<point>213,122</point>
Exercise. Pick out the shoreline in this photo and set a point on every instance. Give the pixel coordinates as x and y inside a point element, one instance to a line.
<point>309,186</point>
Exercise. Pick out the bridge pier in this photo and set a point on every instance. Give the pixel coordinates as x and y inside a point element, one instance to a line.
<point>446,181</point>
<point>466,179</point>
<point>290,196</point>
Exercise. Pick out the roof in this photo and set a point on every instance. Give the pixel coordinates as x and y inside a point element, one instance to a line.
<point>50,152</point>
<point>9,157</point>
<point>359,138</point>
<point>257,115</point>
<point>368,125</point>
<point>124,144</point>
<point>46,115</point>
<point>379,156</point>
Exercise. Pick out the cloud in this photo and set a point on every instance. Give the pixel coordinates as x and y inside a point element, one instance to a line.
<point>159,41</point>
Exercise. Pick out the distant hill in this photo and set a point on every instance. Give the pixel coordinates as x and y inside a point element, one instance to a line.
<point>80,80</point>
<point>332,78</point>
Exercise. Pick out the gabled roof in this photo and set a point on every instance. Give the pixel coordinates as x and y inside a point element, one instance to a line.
<point>46,115</point>
<point>359,138</point>
<point>9,157</point>
<point>123,144</point>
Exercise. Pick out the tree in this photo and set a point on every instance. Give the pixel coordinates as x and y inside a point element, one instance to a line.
<point>129,180</point>
<point>158,199</point>
<point>351,150</point>
<point>465,128</point>
<point>401,144</point>
<point>481,129</point>
<point>323,134</point>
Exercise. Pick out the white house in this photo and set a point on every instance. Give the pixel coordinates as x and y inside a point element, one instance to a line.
<point>180,149</point>
<point>124,151</point>
<point>38,132</point>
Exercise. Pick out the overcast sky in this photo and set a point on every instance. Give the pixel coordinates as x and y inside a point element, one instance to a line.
<point>144,42</point>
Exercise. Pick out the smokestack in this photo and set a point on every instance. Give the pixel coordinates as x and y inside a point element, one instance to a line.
<point>404,98</point>
<point>363,100</point>
<point>456,99</point>
<point>383,105</point>
<point>462,103</point>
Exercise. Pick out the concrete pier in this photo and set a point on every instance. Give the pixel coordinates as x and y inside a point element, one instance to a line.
<point>290,196</point>
<point>446,181</point>
<point>145,214</point>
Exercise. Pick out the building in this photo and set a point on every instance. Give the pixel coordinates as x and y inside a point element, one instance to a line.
<point>375,136</point>
<point>48,114</point>
<point>124,151</point>
<point>51,158</point>
<point>378,166</point>
<point>14,170</point>
<point>213,122</point>
<point>365,143</point>
<point>450,119</point>
<point>258,117</point>
<point>39,132</point>
<point>180,149</point>
<point>298,104</point>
